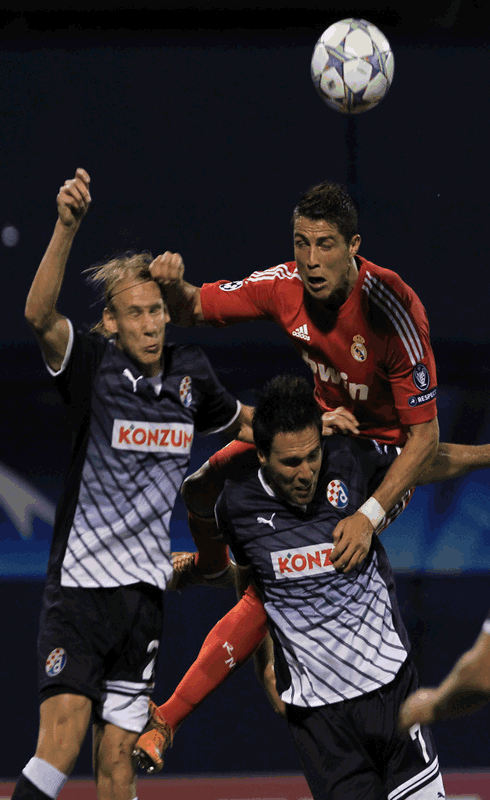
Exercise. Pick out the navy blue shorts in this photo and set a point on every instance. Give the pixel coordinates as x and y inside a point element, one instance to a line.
<point>103,644</point>
<point>353,749</point>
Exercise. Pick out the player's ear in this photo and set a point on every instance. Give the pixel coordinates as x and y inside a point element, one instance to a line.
<point>262,458</point>
<point>109,319</point>
<point>355,243</point>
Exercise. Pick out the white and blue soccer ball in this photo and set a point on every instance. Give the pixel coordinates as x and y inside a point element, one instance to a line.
<point>352,66</point>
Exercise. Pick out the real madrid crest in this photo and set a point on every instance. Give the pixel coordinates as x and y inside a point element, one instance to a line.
<point>357,349</point>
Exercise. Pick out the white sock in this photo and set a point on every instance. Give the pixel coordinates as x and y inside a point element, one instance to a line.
<point>46,777</point>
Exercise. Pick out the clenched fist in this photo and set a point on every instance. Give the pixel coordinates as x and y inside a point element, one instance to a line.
<point>74,199</point>
<point>167,269</point>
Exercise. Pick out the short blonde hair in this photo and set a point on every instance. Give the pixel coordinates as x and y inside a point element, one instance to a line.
<point>106,278</point>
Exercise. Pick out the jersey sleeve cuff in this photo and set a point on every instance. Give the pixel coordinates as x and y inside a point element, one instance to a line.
<point>69,348</point>
<point>226,425</point>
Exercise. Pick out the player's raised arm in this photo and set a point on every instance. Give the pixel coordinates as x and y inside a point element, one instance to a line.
<point>183,300</point>
<point>51,327</point>
<point>352,536</point>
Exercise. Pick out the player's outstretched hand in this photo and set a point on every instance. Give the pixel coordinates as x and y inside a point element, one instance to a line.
<point>352,539</point>
<point>74,199</point>
<point>418,708</point>
<point>168,269</point>
<point>340,420</point>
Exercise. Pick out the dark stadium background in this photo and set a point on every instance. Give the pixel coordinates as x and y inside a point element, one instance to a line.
<point>199,128</point>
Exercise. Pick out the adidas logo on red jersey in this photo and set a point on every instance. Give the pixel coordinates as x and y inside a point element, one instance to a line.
<point>302,332</point>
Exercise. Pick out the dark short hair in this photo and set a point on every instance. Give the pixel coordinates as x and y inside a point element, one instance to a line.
<point>331,202</point>
<point>285,405</point>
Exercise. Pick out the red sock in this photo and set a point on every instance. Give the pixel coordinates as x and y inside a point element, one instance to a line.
<point>227,646</point>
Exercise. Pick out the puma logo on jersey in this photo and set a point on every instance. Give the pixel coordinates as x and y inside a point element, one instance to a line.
<point>267,521</point>
<point>128,374</point>
<point>302,333</point>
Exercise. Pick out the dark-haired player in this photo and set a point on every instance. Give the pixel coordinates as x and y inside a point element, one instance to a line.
<point>342,655</point>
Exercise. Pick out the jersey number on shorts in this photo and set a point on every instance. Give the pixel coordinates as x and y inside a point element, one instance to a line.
<point>416,735</point>
<point>149,670</point>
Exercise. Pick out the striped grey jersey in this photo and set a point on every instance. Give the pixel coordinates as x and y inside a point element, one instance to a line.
<point>130,451</point>
<point>336,636</point>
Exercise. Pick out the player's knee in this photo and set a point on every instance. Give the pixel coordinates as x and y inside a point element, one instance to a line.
<point>64,721</point>
<point>114,755</point>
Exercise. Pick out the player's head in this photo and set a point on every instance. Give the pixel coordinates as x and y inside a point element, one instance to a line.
<point>325,242</point>
<point>332,203</point>
<point>287,428</point>
<point>135,313</point>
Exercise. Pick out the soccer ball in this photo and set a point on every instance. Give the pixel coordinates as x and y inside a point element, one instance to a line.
<point>352,66</point>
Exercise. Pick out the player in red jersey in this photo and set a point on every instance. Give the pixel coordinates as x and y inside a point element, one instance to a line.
<point>361,329</point>
<point>365,335</point>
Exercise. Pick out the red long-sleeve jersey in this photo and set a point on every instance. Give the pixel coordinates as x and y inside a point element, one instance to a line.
<point>375,358</point>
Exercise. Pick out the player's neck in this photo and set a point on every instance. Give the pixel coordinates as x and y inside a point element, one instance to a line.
<point>337,299</point>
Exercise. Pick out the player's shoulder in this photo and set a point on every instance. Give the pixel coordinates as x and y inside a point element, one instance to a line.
<point>189,359</point>
<point>243,490</point>
<point>177,355</point>
<point>183,350</point>
<point>338,451</point>
<point>90,338</point>
<point>280,275</point>
<point>341,450</point>
<point>375,279</point>
<point>245,479</point>
<point>89,346</point>
<point>390,305</point>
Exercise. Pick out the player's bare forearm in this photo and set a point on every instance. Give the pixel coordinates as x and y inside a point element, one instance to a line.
<point>183,300</point>
<point>455,460</point>
<point>465,689</point>
<point>467,686</point>
<point>352,536</point>
<point>49,325</point>
<point>40,310</point>
<point>184,304</point>
<point>413,460</point>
